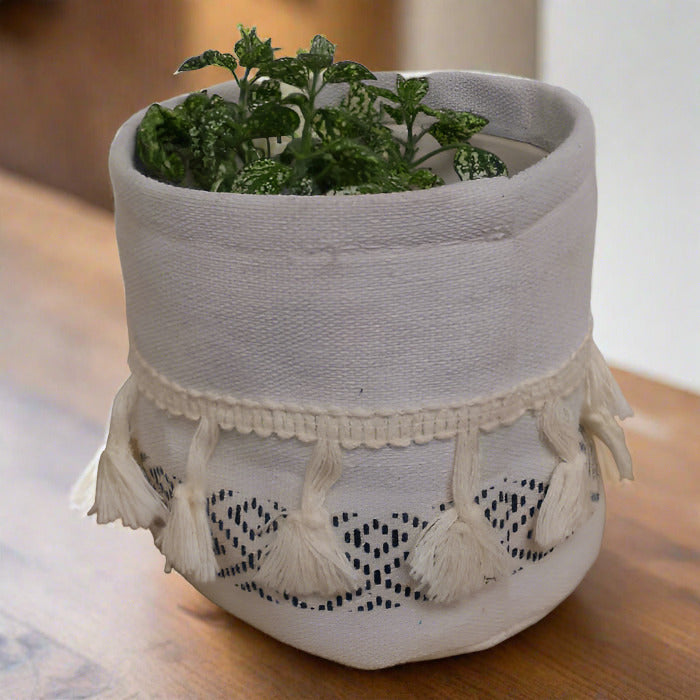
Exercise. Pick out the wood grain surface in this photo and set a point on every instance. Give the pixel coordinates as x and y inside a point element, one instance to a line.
<point>85,611</point>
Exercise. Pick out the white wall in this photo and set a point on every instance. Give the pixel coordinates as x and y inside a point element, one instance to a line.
<point>636,66</point>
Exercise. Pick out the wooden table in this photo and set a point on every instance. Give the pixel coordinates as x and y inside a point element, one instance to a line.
<point>86,611</point>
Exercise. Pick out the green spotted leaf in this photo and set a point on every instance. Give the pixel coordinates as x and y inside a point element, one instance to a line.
<point>270,120</point>
<point>220,177</point>
<point>192,108</point>
<point>347,72</point>
<point>424,179</point>
<point>396,113</point>
<point>320,46</point>
<point>159,140</point>
<point>332,123</point>
<point>356,163</point>
<point>320,54</point>
<point>209,58</point>
<point>360,100</point>
<point>411,91</point>
<point>215,140</point>
<point>328,123</point>
<point>264,91</point>
<point>366,143</point>
<point>344,163</point>
<point>455,127</point>
<point>430,111</point>
<point>287,70</point>
<point>366,188</point>
<point>303,186</point>
<point>251,50</point>
<point>298,99</point>
<point>264,176</point>
<point>473,163</point>
<point>314,62</point>
<point>384,93</point>
<point>382,141</point>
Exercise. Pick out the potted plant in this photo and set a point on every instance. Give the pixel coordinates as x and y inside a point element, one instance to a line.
<point>366,424</point>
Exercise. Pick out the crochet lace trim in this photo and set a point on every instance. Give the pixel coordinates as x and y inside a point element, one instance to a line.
<point>357,427</point>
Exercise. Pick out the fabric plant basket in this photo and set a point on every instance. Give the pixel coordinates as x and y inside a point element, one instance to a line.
<point>372,426</point>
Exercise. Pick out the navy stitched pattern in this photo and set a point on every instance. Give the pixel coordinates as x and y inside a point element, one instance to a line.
<point>241,526</point>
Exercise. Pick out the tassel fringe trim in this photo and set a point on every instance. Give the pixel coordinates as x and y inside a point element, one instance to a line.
<point>603,401</point>
<point>567,505</point>
<point>603,426</point>
<point>122,491</point>
<point>454,555</point>
<point>457,553</point>
<point>305,557</point>
<point>82,495</point>
<point>186,539</point>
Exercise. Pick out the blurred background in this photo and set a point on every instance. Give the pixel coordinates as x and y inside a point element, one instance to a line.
<point>74,70</point>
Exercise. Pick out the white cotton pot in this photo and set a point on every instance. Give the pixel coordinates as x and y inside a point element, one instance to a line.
<point>387,324</point>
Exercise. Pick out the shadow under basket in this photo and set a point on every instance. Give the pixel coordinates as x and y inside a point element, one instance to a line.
<point>372,426</point>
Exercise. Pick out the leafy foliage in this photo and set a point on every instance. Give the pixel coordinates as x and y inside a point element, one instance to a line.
<point>209,58</point>
<point>287,70</point>
<point>347,72</point>
<point>275,139</point>
<point>251,50</point>
<point>453,127</point>
<point>472,163</point>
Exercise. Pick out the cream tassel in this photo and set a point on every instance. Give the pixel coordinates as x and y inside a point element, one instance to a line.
<point>122,490</point>
<point>457,553</point>
<point>602,389</point>
<point>602,402</point>
<point>567,504</point>
<point>305,556</point>
<point>82,495</point>
<point>186,538</point>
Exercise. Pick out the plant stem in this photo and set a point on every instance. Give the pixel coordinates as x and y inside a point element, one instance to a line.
<point>410,150</point>
<point>411,139</point>
<point>423,132</point>
<point>422,159</point>
<point>243,85</point>
<point>308,116</point>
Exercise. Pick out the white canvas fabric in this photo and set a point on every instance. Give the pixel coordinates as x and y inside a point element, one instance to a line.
<point>376,301</point>
<point>290,320</point>
<point>387,488</point>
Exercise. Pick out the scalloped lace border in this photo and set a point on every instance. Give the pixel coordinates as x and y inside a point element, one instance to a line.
<point>354,428</point>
